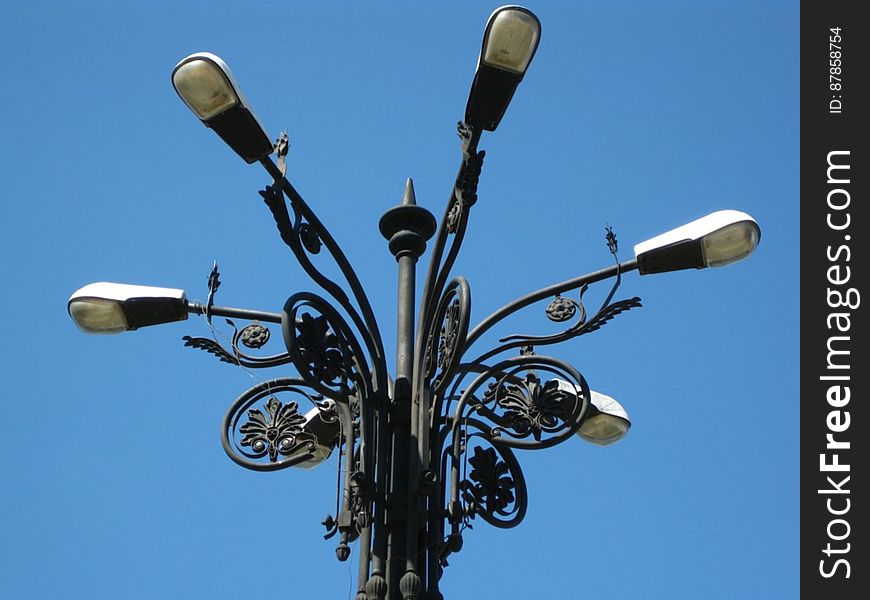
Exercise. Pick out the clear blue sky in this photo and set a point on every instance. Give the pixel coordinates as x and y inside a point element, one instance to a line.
<point>638,114</point>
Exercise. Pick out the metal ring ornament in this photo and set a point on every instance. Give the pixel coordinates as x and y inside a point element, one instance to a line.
<point>274,436</point>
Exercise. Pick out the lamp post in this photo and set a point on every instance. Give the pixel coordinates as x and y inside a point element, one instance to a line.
<point>429,445</point>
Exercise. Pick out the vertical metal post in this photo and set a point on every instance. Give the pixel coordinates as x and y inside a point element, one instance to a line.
<point>407,227</point>
<point>401,554</point>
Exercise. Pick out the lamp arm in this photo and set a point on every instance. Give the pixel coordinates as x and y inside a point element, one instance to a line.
<point>563,309</point>
<point>552,290</point>
<point>455,220</point>
<point>198,308</point>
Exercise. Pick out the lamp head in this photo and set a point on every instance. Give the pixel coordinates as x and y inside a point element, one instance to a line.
<point>509,44</point>
<point>606,420</point>
<point>716,240</point>
<point>115,307</point>
<point>208,87</point>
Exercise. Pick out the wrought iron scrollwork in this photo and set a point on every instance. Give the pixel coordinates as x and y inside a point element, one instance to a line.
<point>451,233</point>
<point>522,408</point>
<point>529,406</point>
<point>254,336</point>
<point>525,402</point>
<point>469,175</point>
<point>305,236</point>
<point>263,433</point>
<point>494,488</point>
<point>323,348</point>
<point>562,309</point>
<point>445,343</point>
<point>451,219</point>
<point>558,311</point>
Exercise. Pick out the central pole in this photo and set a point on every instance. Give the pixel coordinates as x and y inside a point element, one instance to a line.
<point>407,227</point>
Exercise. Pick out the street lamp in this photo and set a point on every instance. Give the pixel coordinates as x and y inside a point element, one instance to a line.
<point>427,446</point>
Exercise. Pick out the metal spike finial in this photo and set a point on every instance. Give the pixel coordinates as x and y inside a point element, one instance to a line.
<point>409,198</point>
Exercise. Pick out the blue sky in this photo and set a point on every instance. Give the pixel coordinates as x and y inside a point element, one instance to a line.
<point>636,114</point>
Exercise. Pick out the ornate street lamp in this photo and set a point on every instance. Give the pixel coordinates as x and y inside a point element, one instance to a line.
<point>431,447</point>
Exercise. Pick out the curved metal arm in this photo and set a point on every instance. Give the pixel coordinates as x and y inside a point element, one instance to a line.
<point>553,290</point>
<point>315,232</point>
<point>455,220</point>
<point>563,309</point>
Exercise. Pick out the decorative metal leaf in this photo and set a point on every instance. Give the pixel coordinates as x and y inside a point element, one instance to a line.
<point>273,434</point>
<point>212,347</point>
<point>469,177</point>
<point>274,199</point>
<point>529,407</point>
<point>214,279</point>
<point>489,487</point>
<point>309,238</point>
<point>612,243</point>
<point>607,313</point>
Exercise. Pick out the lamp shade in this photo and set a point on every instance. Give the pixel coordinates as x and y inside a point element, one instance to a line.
<point>116,307</point>
<point>207,86</point>
<point>716,240</point>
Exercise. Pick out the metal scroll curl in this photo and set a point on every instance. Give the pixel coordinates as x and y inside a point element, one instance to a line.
<point>560,309</point>
<point>264,430</point>
<point>305,236</point>
<point>254,335</point>
<point>323,348</point>
<point>563,309</point>
<point>492,485</point>
<point>446,339</point>
<point>529,402</point>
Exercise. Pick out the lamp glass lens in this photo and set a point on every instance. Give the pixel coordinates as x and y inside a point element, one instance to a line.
<point>603,429</point>
<point>513,35</point>
<point>204,88</point>
<point>97,315</point>
<point>730,244</point>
